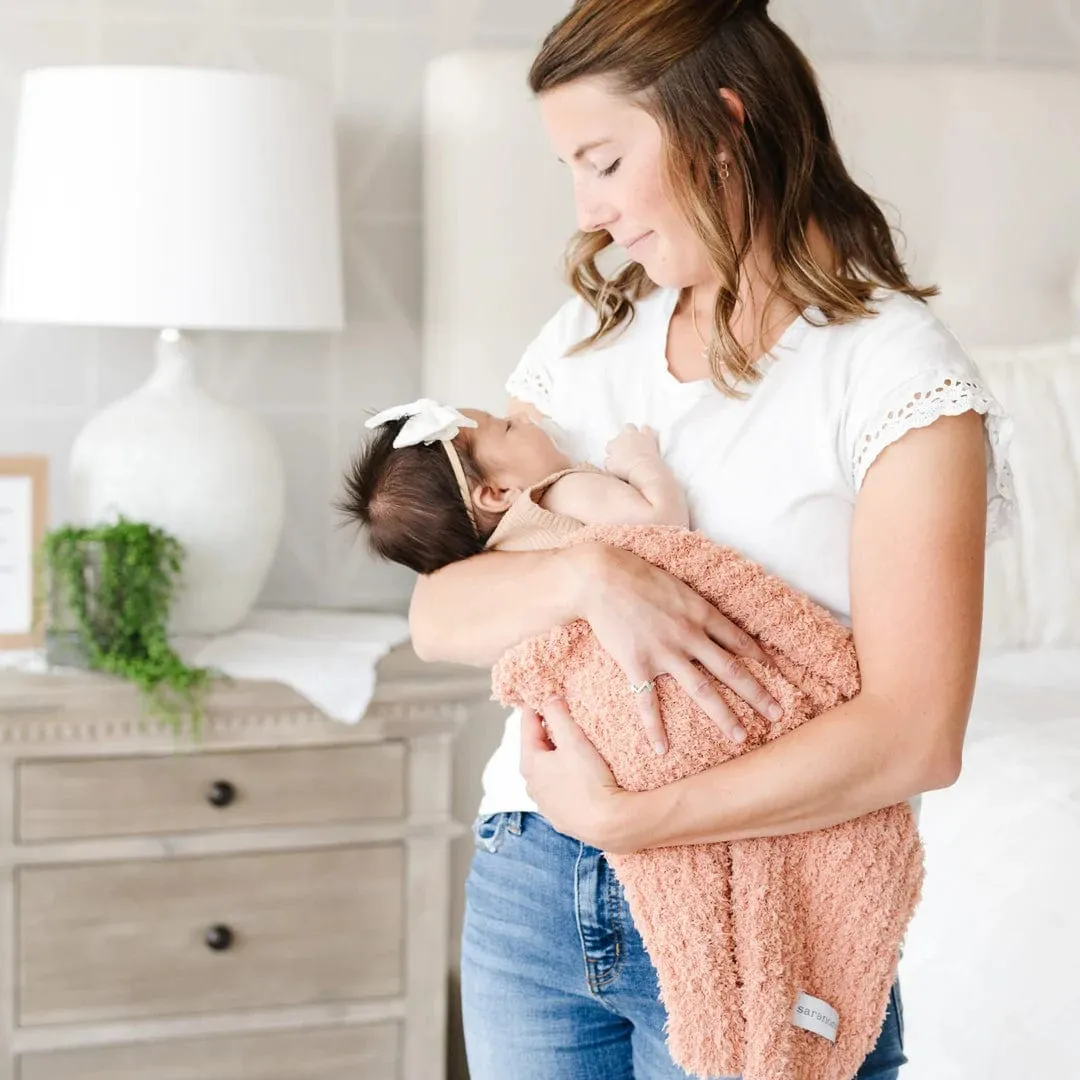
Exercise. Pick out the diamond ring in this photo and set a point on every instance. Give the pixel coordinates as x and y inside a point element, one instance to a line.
<point>642,687</point>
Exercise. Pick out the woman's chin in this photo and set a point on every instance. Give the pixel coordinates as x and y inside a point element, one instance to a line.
<point>661,272</point>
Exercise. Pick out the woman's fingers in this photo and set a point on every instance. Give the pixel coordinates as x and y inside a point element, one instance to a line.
<point>706,695</point>
<point>734,676</point>
<point>728,636</point>
<point>534,738</point>
<point>643,689</point>
<point>649,621</point>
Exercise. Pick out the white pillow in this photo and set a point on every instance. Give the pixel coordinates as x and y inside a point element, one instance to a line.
<point>1033,572</point>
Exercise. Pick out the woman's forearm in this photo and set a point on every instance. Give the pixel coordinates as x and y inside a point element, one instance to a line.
<point>917,581</point>
<point>853,760</point>
<point>471,612</point>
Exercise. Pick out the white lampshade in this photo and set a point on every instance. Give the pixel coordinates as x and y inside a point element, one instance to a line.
<point>177,198</point>
<point>172,197</point>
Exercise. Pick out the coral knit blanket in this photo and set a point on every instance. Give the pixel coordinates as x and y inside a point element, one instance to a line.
<point>743,934</point>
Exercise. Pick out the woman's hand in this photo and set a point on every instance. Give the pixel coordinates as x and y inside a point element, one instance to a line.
<point>570,782</point>
<point>653,624</point>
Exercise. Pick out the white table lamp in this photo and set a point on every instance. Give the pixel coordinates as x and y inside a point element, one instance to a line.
<point>177,199</point>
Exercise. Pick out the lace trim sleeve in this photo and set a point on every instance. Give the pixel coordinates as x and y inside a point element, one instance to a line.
<point>529,382</point>
<point>919,404</point>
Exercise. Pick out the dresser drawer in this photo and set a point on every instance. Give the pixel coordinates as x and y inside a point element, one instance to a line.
<point>134,939</point>
<point>345,1053</point>
<point>73,799</point>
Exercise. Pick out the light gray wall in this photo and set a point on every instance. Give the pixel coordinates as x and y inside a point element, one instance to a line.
<point>369,54</point>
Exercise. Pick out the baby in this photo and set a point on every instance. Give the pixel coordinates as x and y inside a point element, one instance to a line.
<point>435,485</point>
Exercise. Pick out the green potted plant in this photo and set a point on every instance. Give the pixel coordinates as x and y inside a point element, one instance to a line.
<point>109,590</point>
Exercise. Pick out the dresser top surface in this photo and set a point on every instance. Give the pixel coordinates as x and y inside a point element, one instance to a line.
<point>409,695</point>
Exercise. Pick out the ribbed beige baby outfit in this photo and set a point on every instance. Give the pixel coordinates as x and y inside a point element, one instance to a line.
<point>528,526</point>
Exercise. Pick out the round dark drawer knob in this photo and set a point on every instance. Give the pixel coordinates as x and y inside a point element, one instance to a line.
<point>219,937</point>
<point>221,794</point>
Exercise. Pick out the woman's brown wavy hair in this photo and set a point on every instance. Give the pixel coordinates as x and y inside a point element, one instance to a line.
<point>673,57</point>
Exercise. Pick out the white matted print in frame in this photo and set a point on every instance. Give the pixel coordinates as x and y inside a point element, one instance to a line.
<point>23,512</point>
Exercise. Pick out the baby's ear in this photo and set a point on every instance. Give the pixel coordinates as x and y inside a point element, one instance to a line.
<point>492,499</point>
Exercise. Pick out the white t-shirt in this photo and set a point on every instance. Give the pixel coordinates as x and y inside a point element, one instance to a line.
<point>773,475</point>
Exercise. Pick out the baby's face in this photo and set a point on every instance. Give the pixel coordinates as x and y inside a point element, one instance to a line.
<point>512,451</point>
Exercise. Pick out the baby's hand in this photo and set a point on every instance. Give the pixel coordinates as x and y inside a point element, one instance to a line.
<point>630,449</point>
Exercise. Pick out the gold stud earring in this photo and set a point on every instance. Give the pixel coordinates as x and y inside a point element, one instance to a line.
<point>725,170</point>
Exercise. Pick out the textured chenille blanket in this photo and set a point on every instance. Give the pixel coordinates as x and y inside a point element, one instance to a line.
<point>775,956</point>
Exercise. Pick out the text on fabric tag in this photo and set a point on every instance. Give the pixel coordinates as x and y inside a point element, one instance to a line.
<point>813,1014</point>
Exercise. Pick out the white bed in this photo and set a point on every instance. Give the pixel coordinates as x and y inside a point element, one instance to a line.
<point>990,971</point>
<point>983,168</point>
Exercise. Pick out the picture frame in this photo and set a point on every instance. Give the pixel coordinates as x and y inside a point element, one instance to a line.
<point>24,511</point>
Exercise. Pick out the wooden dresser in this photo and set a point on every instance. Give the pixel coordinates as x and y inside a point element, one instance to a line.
<point>268,902</point>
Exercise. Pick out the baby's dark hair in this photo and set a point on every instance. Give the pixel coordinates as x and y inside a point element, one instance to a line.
<point>409,503</point>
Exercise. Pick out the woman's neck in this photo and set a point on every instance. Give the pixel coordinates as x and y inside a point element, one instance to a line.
<point>761,315</point>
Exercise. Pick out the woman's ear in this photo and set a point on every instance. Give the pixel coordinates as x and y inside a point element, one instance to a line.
<point>734,105</point>
<point>493,500</point>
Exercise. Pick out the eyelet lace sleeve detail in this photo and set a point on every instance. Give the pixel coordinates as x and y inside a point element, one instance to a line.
<point>919,404</point>
<point>530,382</point>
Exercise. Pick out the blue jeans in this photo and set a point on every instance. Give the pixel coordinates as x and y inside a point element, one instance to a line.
<point>555,981</point>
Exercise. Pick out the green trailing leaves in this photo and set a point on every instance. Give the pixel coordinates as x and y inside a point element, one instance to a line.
<point>112,586</point>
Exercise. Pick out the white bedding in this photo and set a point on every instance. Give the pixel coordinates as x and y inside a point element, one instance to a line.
<point>991,972</point>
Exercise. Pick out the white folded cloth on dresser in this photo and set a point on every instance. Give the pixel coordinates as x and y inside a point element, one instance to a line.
<point>327,656</point>
<point>32,660</point>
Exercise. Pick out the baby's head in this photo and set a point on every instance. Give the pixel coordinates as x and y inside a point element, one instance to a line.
<point>412,501</point>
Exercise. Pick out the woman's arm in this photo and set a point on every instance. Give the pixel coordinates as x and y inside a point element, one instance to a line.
<point>916,578</point>
<point>471,612</point>
<point>917,560</point>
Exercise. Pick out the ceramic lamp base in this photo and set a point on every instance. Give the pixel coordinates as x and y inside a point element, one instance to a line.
<point>210,474</point>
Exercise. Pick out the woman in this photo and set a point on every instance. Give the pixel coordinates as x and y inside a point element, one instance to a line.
<point>822,422</point>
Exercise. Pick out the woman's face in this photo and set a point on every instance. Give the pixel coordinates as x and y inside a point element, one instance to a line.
<point>615,153</point>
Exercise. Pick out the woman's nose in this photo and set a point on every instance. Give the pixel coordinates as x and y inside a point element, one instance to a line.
<point>592,214</point>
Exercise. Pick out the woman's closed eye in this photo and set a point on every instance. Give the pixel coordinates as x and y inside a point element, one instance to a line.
<point>611,168</point>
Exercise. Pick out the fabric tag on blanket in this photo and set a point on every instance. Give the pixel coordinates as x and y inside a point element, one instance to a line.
<point>813,1014</point>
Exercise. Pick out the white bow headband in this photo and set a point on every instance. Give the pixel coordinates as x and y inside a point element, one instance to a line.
<point>429,422</point>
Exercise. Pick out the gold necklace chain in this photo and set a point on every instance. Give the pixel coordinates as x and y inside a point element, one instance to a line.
<point>706,345</point>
